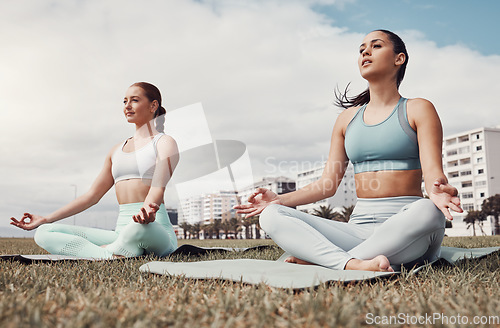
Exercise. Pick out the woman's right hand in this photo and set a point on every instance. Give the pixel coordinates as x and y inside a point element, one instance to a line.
<point>259,200</point>
<point>34,221</point>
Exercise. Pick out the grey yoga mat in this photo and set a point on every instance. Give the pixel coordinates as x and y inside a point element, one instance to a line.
<point>185,249</point>
<point>287,275</point>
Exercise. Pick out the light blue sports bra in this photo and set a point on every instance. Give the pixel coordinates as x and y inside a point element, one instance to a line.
<point>389,145</point>
<point>139,164</point>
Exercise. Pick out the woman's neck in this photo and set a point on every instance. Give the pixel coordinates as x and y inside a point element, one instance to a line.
<point>383,94</point>
<point>145,130</point>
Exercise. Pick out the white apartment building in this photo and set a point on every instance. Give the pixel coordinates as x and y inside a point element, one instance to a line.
<point>471,160</point>
<point>191,210</point>
<point>219,206</point>
<point>207,207</point>
<point>345,195</point>
<point>279,185</point>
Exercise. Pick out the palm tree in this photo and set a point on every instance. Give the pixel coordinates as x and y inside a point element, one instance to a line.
<point>195,230</point>
<point>472,217</point>
<point>325,212</point>
<point>254,220</point>
<point>347,212</point>
<point>226,227</point>
<point>216,227</point>
<point>491,206</point>
<point>185,227</point>
<point>247,223</point>
<point>235,224</point>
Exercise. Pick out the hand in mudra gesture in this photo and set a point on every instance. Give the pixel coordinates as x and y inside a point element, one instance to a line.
<point>259,200</point>
<point>445,197</point>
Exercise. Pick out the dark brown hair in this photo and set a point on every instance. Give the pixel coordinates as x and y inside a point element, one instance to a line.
<point>152,93</point>
<point>341,98</point>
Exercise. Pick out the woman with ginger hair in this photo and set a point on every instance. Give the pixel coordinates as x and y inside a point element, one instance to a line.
<point>140,169</point>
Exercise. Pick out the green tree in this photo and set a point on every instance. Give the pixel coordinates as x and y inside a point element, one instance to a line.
<point>195,230</point>
<point>491,206</point>
<point>235,224</point>
<point>247,223</point>
<point>186,228</point>
<point>346,213</point>
<point>226,227</point>
<point>255,222</point>
<point>474,217</point>
<point>216,227</point>
<point>325,212</point>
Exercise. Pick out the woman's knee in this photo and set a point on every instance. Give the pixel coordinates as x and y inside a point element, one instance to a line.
<point>268,217</point>
<point>42,234</point>
<point>135,232</point>
<point>428,213</point>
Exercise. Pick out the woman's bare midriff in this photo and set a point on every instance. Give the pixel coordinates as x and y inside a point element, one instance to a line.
<point>389,184</point>
<point>132,190</point>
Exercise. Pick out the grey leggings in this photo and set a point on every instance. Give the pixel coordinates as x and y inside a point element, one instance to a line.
<point>405,229</point>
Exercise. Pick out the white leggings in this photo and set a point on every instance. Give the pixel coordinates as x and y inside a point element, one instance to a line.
<point>129,238</point>
<point>405,229</point>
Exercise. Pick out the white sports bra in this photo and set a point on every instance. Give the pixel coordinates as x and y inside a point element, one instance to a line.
<point>139,164</point>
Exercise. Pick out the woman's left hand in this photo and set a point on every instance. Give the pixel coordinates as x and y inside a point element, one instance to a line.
<point>445,197</point>
<point>147,214</point>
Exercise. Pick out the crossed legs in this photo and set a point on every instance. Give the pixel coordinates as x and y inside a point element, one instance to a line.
<point>412,233</point>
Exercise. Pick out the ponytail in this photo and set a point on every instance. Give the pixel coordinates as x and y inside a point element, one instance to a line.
<point>160,119</point>
<point>342,100</point>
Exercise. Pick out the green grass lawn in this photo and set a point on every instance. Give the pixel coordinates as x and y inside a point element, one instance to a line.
<point>116,294</point>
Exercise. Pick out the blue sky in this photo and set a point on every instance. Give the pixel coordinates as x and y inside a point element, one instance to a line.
<point>446,22</point>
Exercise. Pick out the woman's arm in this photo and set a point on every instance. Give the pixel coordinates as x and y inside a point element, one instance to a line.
<point>320,189</point>
<point>166,162</point>
<point>101,185</point>
<point>424,117</point>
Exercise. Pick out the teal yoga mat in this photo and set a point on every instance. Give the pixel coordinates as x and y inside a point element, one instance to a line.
<point>287,275</point>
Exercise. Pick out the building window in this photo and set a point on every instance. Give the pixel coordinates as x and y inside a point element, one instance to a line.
<point>452,152</point>
<point>463,138</point>
<point>482,194</point>
<point>464,150</point>
<point>453,174</point>
<point>465,173</point>
<point>467,195</point>
<point>465,161</point>
<point>480,171</point>
<point>478,136</point>
<point>451,141</point>
<point>478,148</point>
<point>468,207</point>
<point>466,184</point>
<point>480,183</point>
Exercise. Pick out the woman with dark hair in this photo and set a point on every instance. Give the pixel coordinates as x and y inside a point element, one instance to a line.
<point>392,142</point>
<point>140,169</point>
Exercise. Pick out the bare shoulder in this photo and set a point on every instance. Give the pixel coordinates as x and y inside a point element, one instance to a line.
<point>345,117</point>
<point>167,143</point>
<point>420,106</point>
<point>113,150</point>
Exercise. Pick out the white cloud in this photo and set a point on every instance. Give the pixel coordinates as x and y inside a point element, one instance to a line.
<point>264,72</point>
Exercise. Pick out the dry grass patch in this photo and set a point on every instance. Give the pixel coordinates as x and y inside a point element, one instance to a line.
<point>116,294</point>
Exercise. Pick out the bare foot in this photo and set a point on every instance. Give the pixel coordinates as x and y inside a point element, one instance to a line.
<point>379,263</point>
<point>293,259</point>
